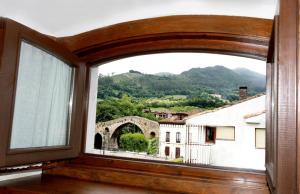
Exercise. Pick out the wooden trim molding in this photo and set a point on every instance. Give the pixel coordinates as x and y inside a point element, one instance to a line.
<point>286,91</point>
<point>2,26</point>
<point>197,33</point>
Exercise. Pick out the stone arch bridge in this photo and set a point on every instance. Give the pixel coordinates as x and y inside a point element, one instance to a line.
<point>107,129</point>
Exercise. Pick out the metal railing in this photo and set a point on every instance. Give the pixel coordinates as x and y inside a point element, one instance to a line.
<point>196,153</point>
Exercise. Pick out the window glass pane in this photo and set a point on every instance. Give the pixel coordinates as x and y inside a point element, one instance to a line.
<point>178,137</point>
<point>260,138</point>
<point>210,134</point>
<point>225,133</point>
<point>167,136</point>
<point>42,101</point>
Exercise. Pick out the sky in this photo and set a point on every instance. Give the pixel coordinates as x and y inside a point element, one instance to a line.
<point>178,62</point>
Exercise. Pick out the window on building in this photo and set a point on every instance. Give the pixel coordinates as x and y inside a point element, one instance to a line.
<point>210,134</point>
<point>177,152</point>
<point>167,151</point>
<point>167,136</point>
<point>260,138</point>
<point>225,133</point>
<point>178,137</point>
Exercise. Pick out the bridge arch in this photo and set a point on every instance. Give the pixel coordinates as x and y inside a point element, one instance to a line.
<point>125,123</point>
<point>129,127</point>
<point>148,127</point>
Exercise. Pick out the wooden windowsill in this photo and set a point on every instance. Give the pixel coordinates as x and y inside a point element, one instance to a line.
<point>160,176</point>
<point>49,184</point>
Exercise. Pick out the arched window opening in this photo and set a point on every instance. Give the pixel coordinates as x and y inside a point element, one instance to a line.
<point>205,108</point>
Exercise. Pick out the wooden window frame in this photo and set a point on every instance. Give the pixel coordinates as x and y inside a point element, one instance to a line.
<point>14,34</point>
<point>175,33</point>
<point>213,34</point>
<point>217,34</point>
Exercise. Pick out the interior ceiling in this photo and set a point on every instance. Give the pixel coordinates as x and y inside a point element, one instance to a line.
<point>68,17</point>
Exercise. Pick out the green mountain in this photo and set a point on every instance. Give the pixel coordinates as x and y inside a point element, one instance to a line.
<point>212,80</point>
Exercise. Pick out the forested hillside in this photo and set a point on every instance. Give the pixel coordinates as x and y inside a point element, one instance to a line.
<point>194,82</point>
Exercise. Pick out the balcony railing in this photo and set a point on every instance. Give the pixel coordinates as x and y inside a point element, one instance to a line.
<point>196,153</point>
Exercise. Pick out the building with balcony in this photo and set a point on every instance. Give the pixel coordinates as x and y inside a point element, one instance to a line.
<point>231,136</point>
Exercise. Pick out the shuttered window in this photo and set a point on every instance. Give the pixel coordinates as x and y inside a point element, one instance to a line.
<point>225,133</point>
<point>260,138</point>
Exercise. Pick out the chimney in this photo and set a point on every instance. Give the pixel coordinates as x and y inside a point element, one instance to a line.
<point>243,92</point>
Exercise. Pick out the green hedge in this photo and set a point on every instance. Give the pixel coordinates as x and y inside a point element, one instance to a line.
<point>133,142</point>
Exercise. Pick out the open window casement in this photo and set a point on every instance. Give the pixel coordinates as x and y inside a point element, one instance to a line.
<point>41,95</point>
<point>271,100</point>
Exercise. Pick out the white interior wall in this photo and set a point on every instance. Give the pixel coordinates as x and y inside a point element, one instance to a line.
<point>69,17</point>
<point>91,124</point>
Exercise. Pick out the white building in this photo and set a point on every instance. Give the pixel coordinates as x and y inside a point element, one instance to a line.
<point>231,136</point>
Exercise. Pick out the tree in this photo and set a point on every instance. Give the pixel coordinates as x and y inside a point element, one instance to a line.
<point>153,146</point>
<point>106,110</point>
<point>113,108</point>
<point>205,100</point>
